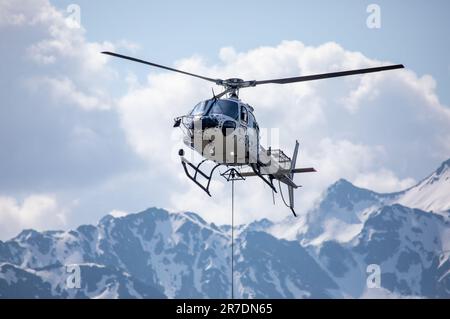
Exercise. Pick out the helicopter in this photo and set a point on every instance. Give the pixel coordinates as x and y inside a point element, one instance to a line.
<point>224,131</point>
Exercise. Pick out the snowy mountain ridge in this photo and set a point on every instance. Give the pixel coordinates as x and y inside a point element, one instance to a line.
<point>432,193</point>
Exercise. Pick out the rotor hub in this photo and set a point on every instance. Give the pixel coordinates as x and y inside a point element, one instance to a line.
<point>235,83</point>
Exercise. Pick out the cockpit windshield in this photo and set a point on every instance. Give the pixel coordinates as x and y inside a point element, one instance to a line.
<point>200,108</point>
<point>225,107</point>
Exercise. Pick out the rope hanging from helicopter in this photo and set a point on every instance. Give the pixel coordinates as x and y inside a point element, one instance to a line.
<point>232,175</point>
<point>232,239</point>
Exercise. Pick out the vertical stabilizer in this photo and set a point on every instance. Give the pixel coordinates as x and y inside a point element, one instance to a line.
<point>291,175</point>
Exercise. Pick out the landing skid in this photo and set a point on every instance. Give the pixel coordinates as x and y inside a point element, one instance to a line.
<point>194,176</point>
<point>197,171</point>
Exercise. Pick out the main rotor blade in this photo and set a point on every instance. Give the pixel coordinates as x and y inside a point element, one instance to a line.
<point>160,66</point>
<point>329,75</point>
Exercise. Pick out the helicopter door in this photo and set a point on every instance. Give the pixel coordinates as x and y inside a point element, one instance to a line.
<point>241,135</point>
<point>244,115</point>
<point>253,136</point>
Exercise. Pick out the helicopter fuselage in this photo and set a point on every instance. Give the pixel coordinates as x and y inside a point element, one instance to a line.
<point>224,131</point>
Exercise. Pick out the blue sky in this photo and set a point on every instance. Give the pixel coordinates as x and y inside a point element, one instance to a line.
<point>83,135</point>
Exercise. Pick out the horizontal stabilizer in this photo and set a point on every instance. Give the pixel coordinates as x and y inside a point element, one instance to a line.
<point>304,170</point>
<point>295,171</point>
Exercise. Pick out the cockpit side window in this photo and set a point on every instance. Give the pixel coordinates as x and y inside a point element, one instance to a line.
<point>251,120</point>
<point>244,114</point>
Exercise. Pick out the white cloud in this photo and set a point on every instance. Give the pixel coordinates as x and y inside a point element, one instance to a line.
<point>56,82</point>
<point>59,131</point>
<point>118,213</point>
<point>41,212</point>
<point>383,181</point>
<point>60,59</point>
<point>64,90</point>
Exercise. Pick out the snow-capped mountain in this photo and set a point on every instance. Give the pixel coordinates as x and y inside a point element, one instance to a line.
<point>409,245</point>
<point>47,282</point>
<point>324,254</point>
<point>431,194</point>
<point>342,210</point>
<point>339,215</point>
<point>351,228</point>
<point>155,253</point>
